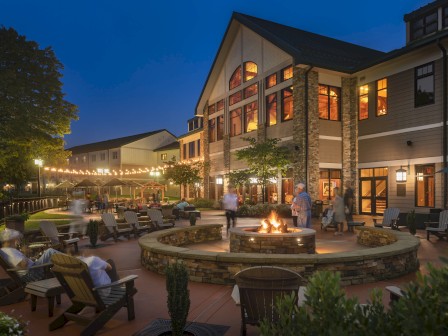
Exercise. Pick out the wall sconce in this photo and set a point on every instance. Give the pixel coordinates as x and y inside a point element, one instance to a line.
<point>219,180</point>
<point>420,177</point>
<point>401,175</point>
<point>409,143</point>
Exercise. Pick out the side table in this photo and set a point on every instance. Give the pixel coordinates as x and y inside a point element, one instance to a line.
<point>49,288</point>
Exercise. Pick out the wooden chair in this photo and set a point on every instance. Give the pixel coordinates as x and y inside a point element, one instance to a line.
<point>158,221</point>
<point>12,288</point>
<point>259,287</point>
<point>139,226</point>
<point>74,276</point>
<point>389,219</point>
<point>439,228</point>
<point>58,240</point>
<point>112,230</point>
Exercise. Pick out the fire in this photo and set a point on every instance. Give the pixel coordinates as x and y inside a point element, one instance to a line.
<point>273,224</point>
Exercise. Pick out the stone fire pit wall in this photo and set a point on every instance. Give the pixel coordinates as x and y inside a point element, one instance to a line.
<point>160,248</point>
<point>250,241</point>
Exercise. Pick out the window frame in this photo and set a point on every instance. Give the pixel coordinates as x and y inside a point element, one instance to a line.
<point>252,112</point>
<point>232,132</point>
<point>426,178</point>
<point>328,96</point>
<point>163,156</point>
<point>233,98</point>
<point>268,80</point>
<point>424,28</point>
<point>268,109</point>
<point>419,77</point>
<point>282,101</point>
<point>234,81</point>
<point>219,127</point>
<point>250,91</point>
<point>284,71</point>
<point>377,96</point>
<point>363,95</point>
<point>246,70</point>
<point>211,130</point>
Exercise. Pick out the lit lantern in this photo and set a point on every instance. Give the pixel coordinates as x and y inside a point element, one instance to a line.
<point>401,175</point>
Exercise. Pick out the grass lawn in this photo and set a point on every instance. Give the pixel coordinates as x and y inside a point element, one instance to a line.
<point>59,219</point>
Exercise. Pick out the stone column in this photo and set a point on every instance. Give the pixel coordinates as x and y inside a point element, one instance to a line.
<point>205,143</point>
<point>313,135</point>
<point>350,135</point>
<point>298,132</point>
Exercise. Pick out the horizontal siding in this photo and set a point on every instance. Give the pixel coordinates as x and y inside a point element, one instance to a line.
<point>425,143</point>
<point>280,130</point>
<point>330,151</point>
<point>401,110</point>
<point>216,147</point>
<point>330,128</point>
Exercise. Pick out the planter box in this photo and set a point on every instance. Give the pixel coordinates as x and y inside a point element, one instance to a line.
<point>15,225</point>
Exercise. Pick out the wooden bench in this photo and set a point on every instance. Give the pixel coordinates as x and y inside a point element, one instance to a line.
<point>350,225</point>
<point>49,288</point>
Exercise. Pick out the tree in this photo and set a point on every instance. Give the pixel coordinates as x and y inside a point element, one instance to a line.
<point>34,116</point>
<point>240,178</point>
<point>185,174</point>
<point>265,160</point>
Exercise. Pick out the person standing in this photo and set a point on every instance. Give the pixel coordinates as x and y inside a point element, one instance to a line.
<point>294,212</point>
<point>302,204</point>
<point>339,211</point>
<point>349,201</point>
<point>230,204</point>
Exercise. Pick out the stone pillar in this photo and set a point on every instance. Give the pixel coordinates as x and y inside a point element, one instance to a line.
<point>306,168</point>
<point>205,145</point>
<point>226,142</point>
<point>349,116</point>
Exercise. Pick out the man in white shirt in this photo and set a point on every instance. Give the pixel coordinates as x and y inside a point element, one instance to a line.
<point>230,204</point>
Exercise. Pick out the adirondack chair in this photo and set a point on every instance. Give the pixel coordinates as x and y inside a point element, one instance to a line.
<point>259,287</point>
<point>59,241</point>
<point>112,229</point>
<point>158,221</point>
<point>440,228</point>
<point>74,276</point>
<point>12,288</point>
<point>139,226</point>
<point>390,218</point>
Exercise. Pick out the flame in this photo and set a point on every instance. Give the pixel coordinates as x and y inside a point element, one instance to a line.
<point>272,221</point>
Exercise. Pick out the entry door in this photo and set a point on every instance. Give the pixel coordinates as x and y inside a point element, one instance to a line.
<point>373,195</point>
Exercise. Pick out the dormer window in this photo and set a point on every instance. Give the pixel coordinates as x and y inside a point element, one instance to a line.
<point>424,25</point>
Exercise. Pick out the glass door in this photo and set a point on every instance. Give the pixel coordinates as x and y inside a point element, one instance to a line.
<point>373,191</point>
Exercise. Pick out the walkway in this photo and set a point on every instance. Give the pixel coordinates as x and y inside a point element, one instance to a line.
<point>209,303</point>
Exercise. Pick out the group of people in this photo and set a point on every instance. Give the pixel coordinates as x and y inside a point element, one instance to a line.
<point>341,210</point>
<point>102,272</point>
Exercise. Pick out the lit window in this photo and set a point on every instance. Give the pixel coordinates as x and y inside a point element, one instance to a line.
<point>191,149</point>
<point>220,128</point>
<point>287,73</point>
<point>251,90</point>
<point>235,80</point>
<point>381,97</point>
<point>211,130</point>
<point>363,102</point>
<point>329,102</point>
<point>251,117</point>
<point>250,70</point>
<point>235,122</point>
<point>424,85</point>
<point>271,81</point>
<point>163,156</point>
<point>84,158</point>
<point>235,98</point>
<point>287,104</point>
<point>211,109</point>
<point>220,105</point>
<point>271,109</point>
<point>425,186</point>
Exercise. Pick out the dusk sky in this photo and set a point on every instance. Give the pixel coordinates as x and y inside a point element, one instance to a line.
<point>138,66</point>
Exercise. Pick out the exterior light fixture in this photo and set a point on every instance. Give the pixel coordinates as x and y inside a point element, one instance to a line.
<point>420,177</point>
<point>39,163</point>
<point>219,180</point>
<point>401,175</point>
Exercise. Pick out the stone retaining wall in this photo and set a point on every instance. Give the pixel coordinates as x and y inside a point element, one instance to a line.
<point>356,267</point>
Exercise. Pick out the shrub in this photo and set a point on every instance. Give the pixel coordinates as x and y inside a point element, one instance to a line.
<point>284,210</point>
<point>12,326</point>
<point>178,300</point>
<point>203,203</point>
<point>327,311</point>
<point>92,231</point>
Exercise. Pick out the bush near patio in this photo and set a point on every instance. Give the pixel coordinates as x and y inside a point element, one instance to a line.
<point>263,210</point>
<point>327,311</point>
<point>202,203</point>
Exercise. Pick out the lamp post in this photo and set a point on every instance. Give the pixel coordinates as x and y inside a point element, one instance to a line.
<point>39,163</point>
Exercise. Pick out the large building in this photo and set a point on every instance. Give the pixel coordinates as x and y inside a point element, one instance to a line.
<point>348,113</point>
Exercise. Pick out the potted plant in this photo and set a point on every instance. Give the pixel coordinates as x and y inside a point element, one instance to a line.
<point>92,231</point>
<point>17,222</point>
<point>410,220</point>
<point>178,300</point>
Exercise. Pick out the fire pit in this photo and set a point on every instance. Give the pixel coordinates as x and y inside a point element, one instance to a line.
<point>273,236</point>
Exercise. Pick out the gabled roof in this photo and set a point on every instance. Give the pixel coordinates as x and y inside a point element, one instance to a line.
<point>310,48</point>
<point>173,145</point>
<point>305,47</point>
<point>113,143</point>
